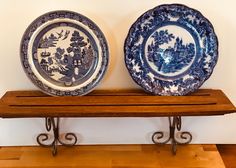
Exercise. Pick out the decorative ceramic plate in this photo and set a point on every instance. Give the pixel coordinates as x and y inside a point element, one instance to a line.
<point>171,50</point>
<point>64,53</point>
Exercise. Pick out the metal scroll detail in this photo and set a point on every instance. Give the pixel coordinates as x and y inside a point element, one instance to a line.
<point>174,123</point>
<point>69,139</point>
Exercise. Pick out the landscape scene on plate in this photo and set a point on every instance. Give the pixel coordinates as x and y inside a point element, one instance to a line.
<point>170,54</point>
<point>65,55</point>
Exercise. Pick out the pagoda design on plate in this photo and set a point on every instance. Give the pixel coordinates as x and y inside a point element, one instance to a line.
<point>65,64</point>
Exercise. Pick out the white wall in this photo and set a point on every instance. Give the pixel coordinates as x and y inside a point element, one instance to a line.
<point>114,17</point>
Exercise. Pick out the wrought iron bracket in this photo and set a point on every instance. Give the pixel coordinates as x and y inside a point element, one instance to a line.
<point>69,139</point>
<point>183,138</point>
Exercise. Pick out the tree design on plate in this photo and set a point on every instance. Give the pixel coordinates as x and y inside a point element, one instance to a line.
<point>65,63</point>
<point>169,58</point>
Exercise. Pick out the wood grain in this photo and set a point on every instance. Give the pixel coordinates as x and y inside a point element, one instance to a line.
<point>116,103</point>
<point>117,156</point>
<point>228,154</point>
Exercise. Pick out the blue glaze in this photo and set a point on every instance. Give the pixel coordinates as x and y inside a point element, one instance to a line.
<point>171,50</point>
<point>170,59</point>
<point>82,56</point>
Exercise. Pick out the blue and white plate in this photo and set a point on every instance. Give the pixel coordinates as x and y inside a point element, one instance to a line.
<point>64,53</point>
<point>171,50</point>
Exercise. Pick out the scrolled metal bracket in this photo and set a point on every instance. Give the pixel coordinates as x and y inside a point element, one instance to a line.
<point>69,139</point>
<point>174,123</point>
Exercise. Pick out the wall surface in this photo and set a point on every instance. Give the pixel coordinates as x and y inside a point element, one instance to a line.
<point>115,17</point>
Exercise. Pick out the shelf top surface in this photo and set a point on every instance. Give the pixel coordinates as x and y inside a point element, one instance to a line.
<point>114,103</point>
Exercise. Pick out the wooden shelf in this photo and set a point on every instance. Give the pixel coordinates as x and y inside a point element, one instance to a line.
<point>114,103</point>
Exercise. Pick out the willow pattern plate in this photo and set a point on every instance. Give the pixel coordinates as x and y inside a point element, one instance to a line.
<point>171,50</point>
<point>64,53</point>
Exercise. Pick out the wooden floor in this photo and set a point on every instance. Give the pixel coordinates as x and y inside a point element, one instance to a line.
<point>117,156</point>
<point>228,154</point>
